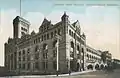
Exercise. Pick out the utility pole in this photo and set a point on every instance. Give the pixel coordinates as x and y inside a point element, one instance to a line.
<point>57,58</point>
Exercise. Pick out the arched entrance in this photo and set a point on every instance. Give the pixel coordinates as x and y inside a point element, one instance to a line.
<point>101,66</point>
<point>90,67</point>
<point>78,66</point>
<point>97,66</point>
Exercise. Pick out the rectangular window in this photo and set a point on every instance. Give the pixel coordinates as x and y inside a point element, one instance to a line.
<point>55,32</point>
<point>23,67</point>
<point>54,53</point>
<point>42,37</point>
<point>19,66</point>
<point>36,65</point>
<point>19,53</point>
<point>71,54</point>
<point>37,56</point>
<point>59,32</point>
<point>28,58</point>
<point>43,65</point>
<point>28,66</point>
<point>51,34</point>
<point>23,58</point>
<point>23,52</point>
<point>46,65</point>
<point>38,39</point>
<point>47,36</point>
<point>54,65</point>
<point>19,58</point>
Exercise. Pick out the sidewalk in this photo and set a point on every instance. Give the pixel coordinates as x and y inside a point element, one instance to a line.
<point>51,76</point>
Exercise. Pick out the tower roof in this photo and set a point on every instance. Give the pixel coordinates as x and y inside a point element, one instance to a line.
<point>18,18</point>
<point>65,15</point>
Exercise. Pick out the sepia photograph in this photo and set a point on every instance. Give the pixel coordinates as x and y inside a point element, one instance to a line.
<point>59,38</point>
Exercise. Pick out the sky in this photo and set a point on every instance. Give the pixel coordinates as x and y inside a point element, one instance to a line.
<point>101,24</point>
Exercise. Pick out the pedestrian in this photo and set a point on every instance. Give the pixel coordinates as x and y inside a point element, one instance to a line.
<point>69,72</point>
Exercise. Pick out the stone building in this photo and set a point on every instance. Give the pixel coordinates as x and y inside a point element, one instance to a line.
<point>59,47</point>
<point>93,60</point>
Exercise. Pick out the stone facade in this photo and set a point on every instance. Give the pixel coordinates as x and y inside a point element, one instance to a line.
<point>59,47</point>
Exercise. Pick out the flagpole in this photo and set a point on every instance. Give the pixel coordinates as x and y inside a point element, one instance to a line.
<point>20,7</point>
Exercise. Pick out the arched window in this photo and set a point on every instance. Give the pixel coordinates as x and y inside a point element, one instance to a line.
<point>72,44</point>
<point>82,50</point>
<point>55,43</point>
<point>23,52</point>
<point>28,51</point>
<point>45,47</point>
<point>87,55</point>
<point>72,49</point>
<point>55,32</point>
<point>59,31</point>
<point>78,47</point>
<point>45,51</point>
<point>69,32</point>
<point>36,48</point>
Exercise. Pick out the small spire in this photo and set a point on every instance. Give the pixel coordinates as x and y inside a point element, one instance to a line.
<point>64,12</point>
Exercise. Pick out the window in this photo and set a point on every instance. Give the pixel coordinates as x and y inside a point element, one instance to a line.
<point>54,65</point>
<point>19,53</point>
<point>78,47</point>
<point>23,67</point>
<point>34,41</point>
<point>42,37</point>
<point>51,34</point>
<point>41,28</point>
<point>28,66</point>
<point>72,34</point>
<point>55,32</point>
<point>45,65</point>
<point>45,55</point>
<point>23,52</point>
<point>28,58</point>
<point>19,58</point>
<point>47,27</point>
<point>28,51</point>
<point>45,51</point>
<point>23,58</point>
<point>19,66</point>
<point>59,32</point>
<point>22,33</point>
<point>48,36</point>
<point>36,65</point>
<point>37,48</point>
<point>69,32</point>
<point>71,54</point>
<point>72,44</point>
<point>45,37</point>
<point>37,56</point>
<point>54,53</point>
<point>38,39</point>
<point>55,43</point>
<point>82,50</point>
<point>22,28</point>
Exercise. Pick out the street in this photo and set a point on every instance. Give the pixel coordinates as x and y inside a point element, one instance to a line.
<point>97,74</point>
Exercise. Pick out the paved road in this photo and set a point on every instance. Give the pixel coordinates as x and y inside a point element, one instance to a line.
<point>95,74</point>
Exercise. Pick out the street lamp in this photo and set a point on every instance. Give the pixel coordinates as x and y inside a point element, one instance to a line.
<point>57,58</point>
